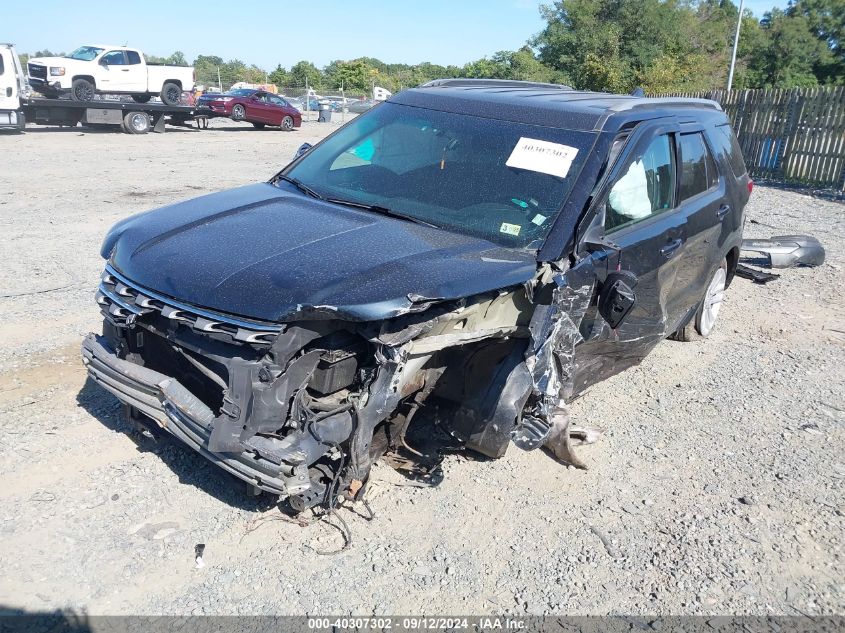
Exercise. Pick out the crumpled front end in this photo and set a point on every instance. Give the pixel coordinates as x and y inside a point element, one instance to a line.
<point>303,409</point>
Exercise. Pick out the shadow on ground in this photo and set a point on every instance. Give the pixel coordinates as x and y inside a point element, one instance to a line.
<point>191,468</point>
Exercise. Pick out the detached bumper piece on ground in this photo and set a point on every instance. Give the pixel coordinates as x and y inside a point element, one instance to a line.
<point>783,251</point>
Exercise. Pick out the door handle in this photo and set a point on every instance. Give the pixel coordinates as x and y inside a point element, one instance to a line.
<point>124,70</point>
<point>669,250</point>
<point>723,211</point>
<point>9,91</point>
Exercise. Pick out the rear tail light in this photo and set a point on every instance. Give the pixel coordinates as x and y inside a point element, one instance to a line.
<point>750,186</point>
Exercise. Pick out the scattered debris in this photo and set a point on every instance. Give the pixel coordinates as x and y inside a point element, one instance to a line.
<point>783,251</point>
<point>757,276</point>
<point>199,550</point>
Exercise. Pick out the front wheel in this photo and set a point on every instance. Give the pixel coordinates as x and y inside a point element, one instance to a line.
<point>82,90</point>
<point>238,112</point>
<point>705,317</point>
<point>141,98</point>
<point>287,124</point>
<point>171,93</point>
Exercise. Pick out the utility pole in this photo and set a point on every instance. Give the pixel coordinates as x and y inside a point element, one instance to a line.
<point>219,84</point>
<point>736,43</point>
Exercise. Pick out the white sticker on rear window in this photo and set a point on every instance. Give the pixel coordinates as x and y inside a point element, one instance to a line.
<point>542,156</point>
<point>510,229</point>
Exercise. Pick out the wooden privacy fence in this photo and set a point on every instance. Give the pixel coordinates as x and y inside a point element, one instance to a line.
<point>794,136</point>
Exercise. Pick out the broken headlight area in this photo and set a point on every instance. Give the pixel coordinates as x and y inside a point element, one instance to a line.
<point>303,409</point>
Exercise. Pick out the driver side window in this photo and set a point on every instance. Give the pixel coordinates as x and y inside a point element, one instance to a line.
<point>646,188</point>
<point>114,58</point>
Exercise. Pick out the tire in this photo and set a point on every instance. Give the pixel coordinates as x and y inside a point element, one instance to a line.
<point>141,98</point>
<point>702,324</point>
<point>238,112</point>
<point>82,90</point>
<point>258,126</point>
<point>171,93</point>
<point>287,123</point>
<point>136,122</point>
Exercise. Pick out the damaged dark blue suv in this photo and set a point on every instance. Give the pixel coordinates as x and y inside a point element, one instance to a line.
<point>450,268</point>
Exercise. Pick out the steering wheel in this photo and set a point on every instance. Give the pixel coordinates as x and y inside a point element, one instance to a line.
<point>357,178</point>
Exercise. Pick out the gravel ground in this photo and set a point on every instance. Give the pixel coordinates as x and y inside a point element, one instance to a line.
<point>718,487</point>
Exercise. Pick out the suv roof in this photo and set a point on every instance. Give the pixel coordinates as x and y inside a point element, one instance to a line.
<point>550,105</point>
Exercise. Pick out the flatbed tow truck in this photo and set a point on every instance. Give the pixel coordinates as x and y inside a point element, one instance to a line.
<point>18,106</point>
<point>133,118</point>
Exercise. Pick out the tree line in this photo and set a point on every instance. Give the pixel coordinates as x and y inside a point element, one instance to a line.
<point>609,45</point>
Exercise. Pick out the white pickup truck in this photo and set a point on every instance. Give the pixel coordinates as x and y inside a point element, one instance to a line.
<point>108,69</point>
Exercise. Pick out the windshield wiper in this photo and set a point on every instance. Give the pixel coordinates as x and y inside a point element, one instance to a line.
<point>302,187</point>
<point>377,208</point>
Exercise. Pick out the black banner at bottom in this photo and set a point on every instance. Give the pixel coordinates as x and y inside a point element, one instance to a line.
<point>76,623</point>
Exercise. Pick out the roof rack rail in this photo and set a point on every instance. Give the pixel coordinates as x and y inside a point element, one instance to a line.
<point>491,83</point>
<point>648,102</point>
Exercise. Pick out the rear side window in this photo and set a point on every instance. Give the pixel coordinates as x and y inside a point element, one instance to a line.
<point>698,171</point>
<point>725,144</point>
<point>133,57</point>
<point>2,66</point>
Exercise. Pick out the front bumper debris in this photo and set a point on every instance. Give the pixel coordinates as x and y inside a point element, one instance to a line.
<point>174,409</point>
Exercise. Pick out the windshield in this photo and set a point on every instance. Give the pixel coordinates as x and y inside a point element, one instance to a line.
<point>498,180</point>
<point>85,53</point>
<point>239,92</point>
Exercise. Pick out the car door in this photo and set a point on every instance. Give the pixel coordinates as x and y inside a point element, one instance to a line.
<point>637,227</point>
<point>111,71</point>
<point>701,195</point>
<point>257,108</point>
<point>9,98</point>
<point>278,109</point>
<point>134,73</point>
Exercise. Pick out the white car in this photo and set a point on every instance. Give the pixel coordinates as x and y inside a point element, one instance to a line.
<point>108,69</point>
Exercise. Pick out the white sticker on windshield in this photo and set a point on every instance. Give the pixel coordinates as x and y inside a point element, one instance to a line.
<point>542,156</point>
<point>510,229</point>
<point>539,219</point>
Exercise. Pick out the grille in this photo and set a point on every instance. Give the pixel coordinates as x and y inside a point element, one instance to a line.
<point>119,299</point>
<point>38,71</point>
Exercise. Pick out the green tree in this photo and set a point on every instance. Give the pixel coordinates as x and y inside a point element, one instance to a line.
<point>279,76</point>
<point>791,54</point>
<point>304,70</point>
<point>354,75</point>
<point>826,20</point>
<point>615,45</point>
<point>177,59</point>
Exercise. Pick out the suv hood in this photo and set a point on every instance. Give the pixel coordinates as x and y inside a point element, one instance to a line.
<point>268,253</point>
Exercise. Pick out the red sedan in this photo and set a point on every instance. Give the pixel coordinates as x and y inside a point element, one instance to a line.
<point>256,106</point>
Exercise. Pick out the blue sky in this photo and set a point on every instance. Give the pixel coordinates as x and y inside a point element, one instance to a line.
<point>267,32</point>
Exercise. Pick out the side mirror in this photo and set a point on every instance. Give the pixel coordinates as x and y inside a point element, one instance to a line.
<point>302,150</point>
<point>617,298</point>
<point>104,63</point>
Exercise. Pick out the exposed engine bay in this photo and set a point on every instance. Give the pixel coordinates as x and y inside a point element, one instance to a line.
<point>303,409</point>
